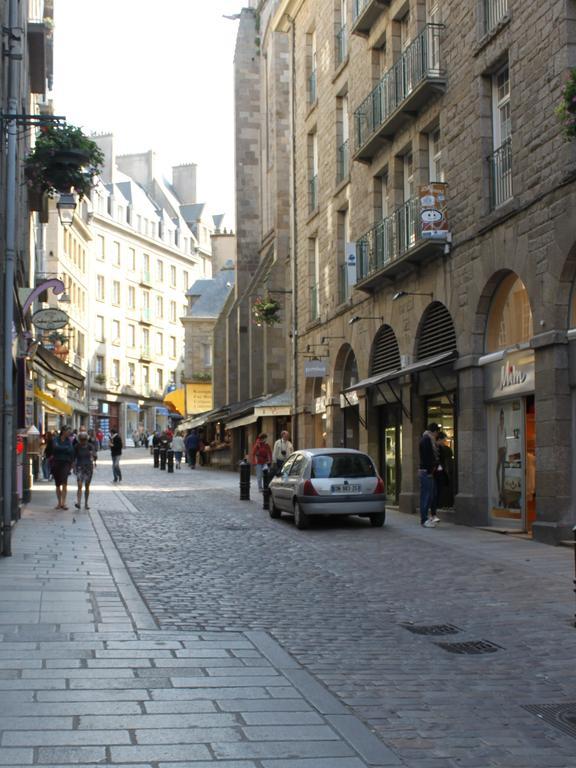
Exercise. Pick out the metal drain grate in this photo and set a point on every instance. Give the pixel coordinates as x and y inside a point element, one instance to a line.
<point>562,716</point>
<point>472,647</point>
<point>432,629</point>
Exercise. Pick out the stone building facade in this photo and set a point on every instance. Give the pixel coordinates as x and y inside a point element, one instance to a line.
<point>434,245</point>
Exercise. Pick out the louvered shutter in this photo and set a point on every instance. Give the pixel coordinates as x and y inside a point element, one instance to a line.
<point>385,351</point>
<point>437,333</point>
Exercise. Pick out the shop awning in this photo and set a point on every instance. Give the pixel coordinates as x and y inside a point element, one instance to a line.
<point>49,363</point>
<point>248,412</point>
<point>52,404</point>
<point>203,418</point>
<point>176,401</point>
<point>421,365</point>
<point>243,422</point>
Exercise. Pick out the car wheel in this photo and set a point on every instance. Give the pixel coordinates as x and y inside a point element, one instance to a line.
<point>377,521</point>
<point>274,512</point>
<point>301,519</point>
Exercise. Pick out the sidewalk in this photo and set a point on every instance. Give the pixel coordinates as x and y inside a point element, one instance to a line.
<point>87,678</point>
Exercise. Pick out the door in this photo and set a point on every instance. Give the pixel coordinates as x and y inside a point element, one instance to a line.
<point>530,431</point>
<point>440,409</point>
<point>390,431</point>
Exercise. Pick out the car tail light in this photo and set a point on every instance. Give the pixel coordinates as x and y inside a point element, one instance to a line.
<point>379,485</point>
<point>309,489</point>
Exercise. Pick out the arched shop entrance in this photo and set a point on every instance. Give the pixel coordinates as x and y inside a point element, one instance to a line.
<point>387,411</point>
<point>509,376</point>
<point>350,408</point>
<point>436,381</point>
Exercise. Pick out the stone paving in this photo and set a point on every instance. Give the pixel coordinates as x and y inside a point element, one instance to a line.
<point>249,644</point>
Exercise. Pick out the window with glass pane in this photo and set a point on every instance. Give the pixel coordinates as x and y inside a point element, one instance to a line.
<point>132,335</point>
<point>100,364</point>
<point>435,157</point>
<point>99,328</point>
<point>131,297</point>
<point>173,277</point>
<point>172,311</point>
<point>116,370</point>
<point>115,331</point>
<point>100,292</point>
<point>116,293</point>
<point>116,254</point>
<point>131,374</point>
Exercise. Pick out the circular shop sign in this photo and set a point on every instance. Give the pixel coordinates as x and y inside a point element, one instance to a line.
<point>50,319</point>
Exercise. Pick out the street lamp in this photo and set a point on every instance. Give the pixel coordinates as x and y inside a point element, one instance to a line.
<point>66,207</point>
<point>355,319</point>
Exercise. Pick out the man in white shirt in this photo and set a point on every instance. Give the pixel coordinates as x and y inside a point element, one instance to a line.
<point>282,449</point>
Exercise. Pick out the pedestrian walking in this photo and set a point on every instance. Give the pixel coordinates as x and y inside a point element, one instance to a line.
<point>100,437</point>
<point>444,474</point>
<point>282,449</point>
<point>261,457</point>
<point>84,458</point>
<point>62,459</point>
<point>192,442</point>
<point>116,452</point>
<point>178,447</point>
<point>428,463</point>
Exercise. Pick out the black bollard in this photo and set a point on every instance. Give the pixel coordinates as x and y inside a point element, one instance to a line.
<point>162,458</point>
<point>170,460</point>
<point>156,454</point>
<point>266,489</point>
<point>244,480</point>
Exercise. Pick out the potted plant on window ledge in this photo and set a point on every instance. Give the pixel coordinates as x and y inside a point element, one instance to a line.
<point>265,311</point>
<point>62,160</point>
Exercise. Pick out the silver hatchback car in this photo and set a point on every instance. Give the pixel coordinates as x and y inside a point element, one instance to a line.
<point>328,481</point>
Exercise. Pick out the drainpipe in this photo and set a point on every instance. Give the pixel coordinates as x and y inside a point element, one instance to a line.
<point>294,235</point>
<point>14,57</point>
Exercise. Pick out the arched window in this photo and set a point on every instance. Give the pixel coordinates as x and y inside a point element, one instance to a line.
<point>385,352</point>
<point>350,375</point>
<point>510,317</point>
<point>436,334</point>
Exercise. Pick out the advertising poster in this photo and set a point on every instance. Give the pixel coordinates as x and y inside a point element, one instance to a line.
<point>433,212</point>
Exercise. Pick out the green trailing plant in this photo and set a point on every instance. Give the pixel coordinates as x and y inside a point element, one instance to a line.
<point>265,311</point>
<point>201,377</point>
<point>63,159</point>
<point>566,111</point>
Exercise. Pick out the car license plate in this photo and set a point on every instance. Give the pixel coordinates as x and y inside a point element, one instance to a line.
<point>345,488</point>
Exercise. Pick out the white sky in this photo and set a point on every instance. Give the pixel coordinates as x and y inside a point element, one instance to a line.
<point>159,75</point>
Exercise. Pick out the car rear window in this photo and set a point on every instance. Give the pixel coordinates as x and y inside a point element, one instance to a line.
<point>342,465</point>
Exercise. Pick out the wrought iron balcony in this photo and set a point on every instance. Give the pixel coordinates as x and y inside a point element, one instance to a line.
<point>341,44</point>
<point>394,246</point>
<point>313,194</point>
<point>343,162</point>
<point>501,175</point>
<point>494,12</point>
<point>404,89</point>
<point>365,13</point>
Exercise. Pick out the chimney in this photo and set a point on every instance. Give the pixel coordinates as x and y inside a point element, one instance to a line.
<point>184,183</point>
<point>106,143</point>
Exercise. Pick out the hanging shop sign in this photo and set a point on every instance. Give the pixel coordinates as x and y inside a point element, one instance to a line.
<point>319,405</point>
<point>349,399</point>
<point>50,319</point>
<point>433,212</point>
<point>315,369</point>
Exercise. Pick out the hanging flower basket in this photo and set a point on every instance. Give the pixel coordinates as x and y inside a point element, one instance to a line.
<point>566,112</point>
<point>63,159</point>
<point>265,311</point>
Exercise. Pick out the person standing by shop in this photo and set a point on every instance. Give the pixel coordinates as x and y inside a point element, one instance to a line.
<point>116,452</point>
<point>192,442</point>
<point>444,474</point>
<point>84,459</point>
<point>428,450</point>
<point>47,455</point>
<point>62,459</point>
<point>261,457</point>
<point>282,449</point>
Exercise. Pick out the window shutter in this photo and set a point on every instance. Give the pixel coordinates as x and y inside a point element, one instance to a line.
<point>385,352</point>
<point>437,333</point>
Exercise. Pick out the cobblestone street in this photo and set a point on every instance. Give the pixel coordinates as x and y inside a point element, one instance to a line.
<point>342,597</point>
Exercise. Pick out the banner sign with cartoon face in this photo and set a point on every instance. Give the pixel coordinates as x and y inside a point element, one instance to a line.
<point>433,213</point>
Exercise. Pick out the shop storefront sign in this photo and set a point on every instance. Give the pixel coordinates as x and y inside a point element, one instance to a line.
<point>198,398</point>
<point>315,369</point>
<point>319,405</point>
<point>511,376</point>
<point>50,319</point>
<point>349,399</point>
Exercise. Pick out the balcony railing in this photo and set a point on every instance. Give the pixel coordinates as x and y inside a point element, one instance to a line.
<point>312,94</point>
<point>146,277</point>
<point>365,13</point>
<point>313,194</point>
<point>501,174</point>
<point>494,12</point>
<point>146,315</point>
<point>343,161</point>
<point>314,304</point>
<point>402,89</point>
<point>384,246</point>
<point>341,44</point>
<point>145,353</point>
